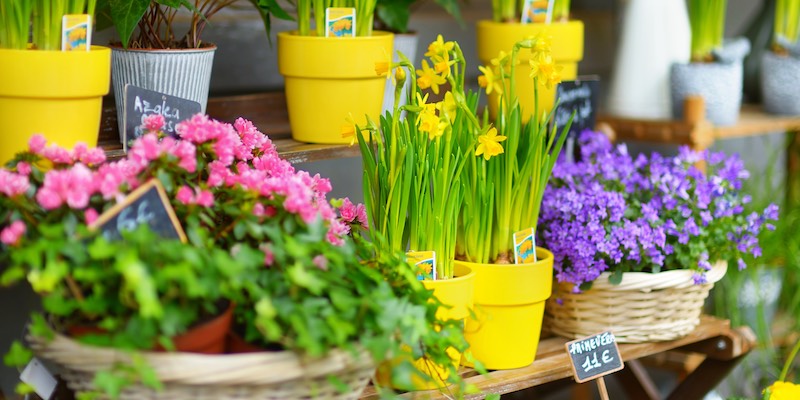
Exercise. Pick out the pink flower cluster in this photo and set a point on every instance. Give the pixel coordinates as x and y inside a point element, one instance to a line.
<point>12,234</point>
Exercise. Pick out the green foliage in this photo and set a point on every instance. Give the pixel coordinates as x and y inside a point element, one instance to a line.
<point>393,15</point>
<point>43,17</point>
<point>787,21</point>
<point>707,21</point>
<point>18,355</point>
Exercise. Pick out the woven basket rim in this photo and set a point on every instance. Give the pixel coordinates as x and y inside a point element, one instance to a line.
<point>646,281</point>
<point>262,368</point>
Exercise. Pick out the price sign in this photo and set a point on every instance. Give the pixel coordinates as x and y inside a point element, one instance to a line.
<point>594,356</point>
<point>140,102</point>
<point>579,96</point>
<point>147,205</point>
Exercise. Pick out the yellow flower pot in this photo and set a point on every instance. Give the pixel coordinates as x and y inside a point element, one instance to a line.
<point>328,79</point>
<point>509,306</point>
<point>494,37</point>
<point>457,293</point>
<point>56,93</point>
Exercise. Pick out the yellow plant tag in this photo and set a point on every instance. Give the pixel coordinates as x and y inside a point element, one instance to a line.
<point>537,11</point>
<point>76,32</point>
<point>524,247</point>
<point>340,22</point>
<point>425,264</point>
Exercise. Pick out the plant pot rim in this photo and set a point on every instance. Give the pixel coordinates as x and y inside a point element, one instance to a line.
<point>92,49</point>
<point>206,48</point>
<point>293,35</point>
<point>456,277</point>
<point>536,25</point>
<point>547,257</point>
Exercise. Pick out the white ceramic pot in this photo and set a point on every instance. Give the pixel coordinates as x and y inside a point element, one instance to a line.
<point>655,34</point>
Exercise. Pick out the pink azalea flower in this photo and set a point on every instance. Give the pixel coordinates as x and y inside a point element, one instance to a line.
<point>12,184</point>
<point>348,211</point>
<point>321,262</point>
<point>12,234</point>
<point>58,155</point>
<point>204,198</point>
<point>153,122</point>
<point>361,215</point>
<point>36,144</point>
<point>23,168</point>
<point>90,215</point>
<point>269,256</point>
<point>73,186</point>
<point>185,195</point>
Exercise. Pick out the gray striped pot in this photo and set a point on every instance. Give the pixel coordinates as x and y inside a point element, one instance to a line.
<point>184,73</point>
<point>719,84</point>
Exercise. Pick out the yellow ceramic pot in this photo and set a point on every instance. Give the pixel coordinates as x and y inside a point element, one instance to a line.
<point>328,79</point>
<point>56,93</point>
<point>494,37</point>
<point>457,293</point>
<point>509,306</point>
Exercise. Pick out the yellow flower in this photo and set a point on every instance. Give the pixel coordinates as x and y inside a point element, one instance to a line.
<point>428,78</point>
<point>501,58</point>
<point>400,75</point>
<point>448,106</point>
<point>543,43</point>
<point>439,47</point>
<point>490,81</point>
<point>381,68</point>
<point>784,391</point>
<point>545,70</point>
<point>489,144</point>
<point>349,129</point>
<point>431,123</point>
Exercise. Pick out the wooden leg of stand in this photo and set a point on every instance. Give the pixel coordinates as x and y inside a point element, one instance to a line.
<point>636,382</point>
<point>705,378</point>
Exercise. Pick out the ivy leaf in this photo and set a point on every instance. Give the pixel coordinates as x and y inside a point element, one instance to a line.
<point>126,14</point>
<point>23,388</point>
<point>111,382</point>
<point>18,355</point>
<point>40,328</point>
<point>12,275</point>
<point>616,277</point>
<point>301,277</point>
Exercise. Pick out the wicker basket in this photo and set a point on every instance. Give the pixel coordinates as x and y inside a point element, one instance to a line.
<point>644,307</point>
<point>266,375</point>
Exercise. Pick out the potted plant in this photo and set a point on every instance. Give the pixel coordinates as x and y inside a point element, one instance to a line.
<point>261,235</point>
<point>319,70</point>
<point>153,54</point>
<point>505,177</point>
<point>413,185</point>
<point>60,91</point>
<point>394,16</point>
<point>715,70</point>
<point>646,237</point>
<point>505,29</point>
<point>782,62</point>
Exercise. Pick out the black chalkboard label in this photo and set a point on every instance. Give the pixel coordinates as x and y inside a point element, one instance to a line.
<point>140,102</point>
<point>579,96</point>
<point>594,356</point>
<point>148,205</point>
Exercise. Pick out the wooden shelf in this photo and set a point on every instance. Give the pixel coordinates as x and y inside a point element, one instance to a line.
<point>721,346</point>
<point>266,110</point>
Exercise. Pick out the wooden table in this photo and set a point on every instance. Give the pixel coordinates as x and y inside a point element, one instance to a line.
<point>722,346</point>
<point>266,110</point>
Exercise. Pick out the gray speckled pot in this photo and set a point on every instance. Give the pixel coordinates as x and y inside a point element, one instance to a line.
<point>780,90</point>
<point>184,73</point>
<point>719,84</point>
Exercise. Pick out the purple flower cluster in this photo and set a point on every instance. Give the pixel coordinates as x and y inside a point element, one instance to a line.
<point>612,212</point>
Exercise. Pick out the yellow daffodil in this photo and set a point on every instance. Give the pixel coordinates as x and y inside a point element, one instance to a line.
<point>381,68</point>
<point>489,144</point>
<point>543,43</point>
<point>439,47</point>
<point>545,70</point>
<point>781,390</point>
<point>442,64</point>
<point>349,129</point>
<point>400,75</point>
<point>490,81</point>
<point>501,59</point>
<point>431,124</point>
<point>428,78</point>
<point>448,106</point>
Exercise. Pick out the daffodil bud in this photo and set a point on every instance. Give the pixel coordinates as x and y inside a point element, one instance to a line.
<point>400,76</point>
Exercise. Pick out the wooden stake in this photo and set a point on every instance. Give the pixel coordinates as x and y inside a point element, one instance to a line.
<point>601,386</point>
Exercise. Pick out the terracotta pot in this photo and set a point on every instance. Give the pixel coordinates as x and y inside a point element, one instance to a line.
<point>235,344</point>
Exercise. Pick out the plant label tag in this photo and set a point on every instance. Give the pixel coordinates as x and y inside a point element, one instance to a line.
<point>340,22</point>
<point>42,381</point>
<point>594,356</point>
<point>76,32</point>
<point>147,205</point>
<point>139,103</point>
<point>537,11</point>
<point>524,247</point>
<point>425,264</point>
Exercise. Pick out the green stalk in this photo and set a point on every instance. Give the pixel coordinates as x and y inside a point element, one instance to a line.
<point>707,20</point>
<point>561,10</point>
<point>787,19</point>
<point>15,17</point>
<point>788,364</point>
<point>319,16</point>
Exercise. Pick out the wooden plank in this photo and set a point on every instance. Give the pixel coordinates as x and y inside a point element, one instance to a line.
<point>552,363</point>
<point>753,120</point>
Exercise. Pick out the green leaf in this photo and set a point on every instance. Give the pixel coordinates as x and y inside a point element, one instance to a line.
<point>101,249</point>
<point>111,382</point>
<point>126,14</point>
<point>18,355</point>
<point>23,388</point>
<point>616,277</point>
<point>40,328</point>
<point>493,396</point>
<point>395,14</point>
<point>12,275</point>
<point>337,383</point>
<point>300,276</point>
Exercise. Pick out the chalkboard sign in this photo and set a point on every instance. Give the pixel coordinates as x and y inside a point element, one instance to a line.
<point>579,96</point>
<point>594,356</point>
<point>140,102</point>
<point>148,205</point>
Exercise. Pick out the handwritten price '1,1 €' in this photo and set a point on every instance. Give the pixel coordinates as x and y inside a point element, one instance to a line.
<point>128,220</point>
<point>594,356</point>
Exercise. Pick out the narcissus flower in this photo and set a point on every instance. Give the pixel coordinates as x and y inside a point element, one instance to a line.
<point>349,129</point>
<point>428,78</point>
<point>489,144</point>
<point>448,106</point>
<point>490,81</point>
<point>545,70</point>
<point>438,48</point>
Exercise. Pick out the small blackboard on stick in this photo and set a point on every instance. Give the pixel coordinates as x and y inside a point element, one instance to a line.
<point>147,205</point>
<point>594,356</point>
<point>579,96</point>
<point>140,102</point>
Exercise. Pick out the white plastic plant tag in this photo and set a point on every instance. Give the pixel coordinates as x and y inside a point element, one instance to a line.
<point>36,375</point>
<point>76,32</point>
<point>537,11</point>
<point>340,22</point>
